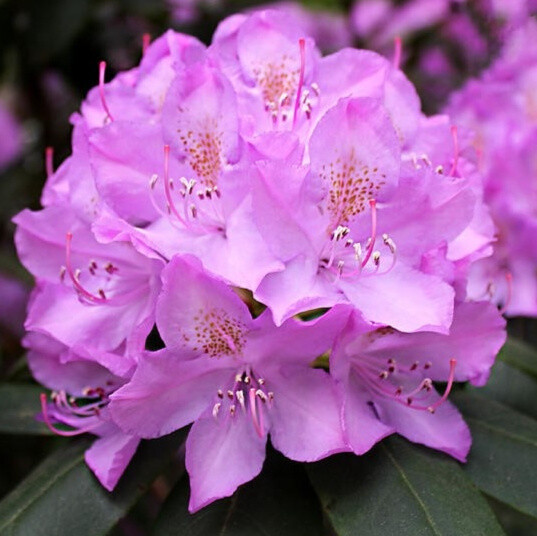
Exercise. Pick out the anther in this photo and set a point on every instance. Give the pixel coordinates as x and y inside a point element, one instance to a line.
<point>240,397</point>
<point>220,393</point>
<point>216,409</point>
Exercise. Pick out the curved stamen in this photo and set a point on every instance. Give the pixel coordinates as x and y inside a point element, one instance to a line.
<point>398,48</point>
<point>371,243</point>
<point>53,429</point>
<point>74,275</point>
<point>102,69</point>
<point>167,187</point>
<point>49,161</point>
<point>433,407</point>
<point>257,418</point>
<point>454,135</point>
<point>302,46</point>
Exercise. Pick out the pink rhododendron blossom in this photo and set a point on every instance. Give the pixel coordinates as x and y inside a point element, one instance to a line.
<point>238,378</point>
<point>500,108</point>
<point>81,387</point>
<point>257,175</point>
<point>385,378</point>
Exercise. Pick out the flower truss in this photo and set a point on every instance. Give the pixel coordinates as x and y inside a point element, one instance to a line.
<point>218,195</point>
<point>501,110</point>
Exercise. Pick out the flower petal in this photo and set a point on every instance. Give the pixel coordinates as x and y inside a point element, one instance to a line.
<point>220,456</point>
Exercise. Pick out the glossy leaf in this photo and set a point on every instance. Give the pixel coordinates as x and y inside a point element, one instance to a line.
<point>520,355</point>
<point>503,458</point>
<point>279,502</point>
<point>511,387</point>
<point>19,405</point>
<point>63,497</point>
<point>400,488</point>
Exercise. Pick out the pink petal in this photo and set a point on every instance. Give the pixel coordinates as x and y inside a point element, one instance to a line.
<point>109,456</point>
<point>305,415</point>
<point>221,454</point>
<point>190,301</point>
<point>404,298</point>
<point>168,392</point>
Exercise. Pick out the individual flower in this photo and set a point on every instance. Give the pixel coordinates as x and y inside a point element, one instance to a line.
<point>82,383</point>
<point>386,378</point>
<point>88,293</point>
<point>237,378</point>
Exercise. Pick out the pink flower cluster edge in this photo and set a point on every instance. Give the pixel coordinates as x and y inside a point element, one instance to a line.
<point>218,195</point>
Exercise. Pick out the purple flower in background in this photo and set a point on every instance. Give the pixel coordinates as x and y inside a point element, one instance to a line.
<point>10,137</point>
<point>501,110</point>
<point>444,41</point>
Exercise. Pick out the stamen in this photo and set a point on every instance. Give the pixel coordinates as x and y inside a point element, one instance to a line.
<point>74,275</point>
<point>49,161</point>
<point>455,137</point>
<point>398,48</point>
<point>240,397</point>
<point>167,187</point>
<point>146,41</point>
<point>102,69</point>
<point>216,409</point>
<point>256,417</point>
<point>371,244</point>
<point>50,426</point>
<point>302,46</point>
<point>433,407</point>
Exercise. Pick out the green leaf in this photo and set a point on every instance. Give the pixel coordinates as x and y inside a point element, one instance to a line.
<point>62,496</point>
<point>279,502</point>
<point>19,404</point>
<point>401,488</point>
<point>503,458</point>
<point>511,387</point>
<point>520,355</point>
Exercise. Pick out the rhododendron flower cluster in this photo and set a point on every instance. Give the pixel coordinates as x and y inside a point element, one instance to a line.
<point>501,110</point>
<point>293,227</point>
